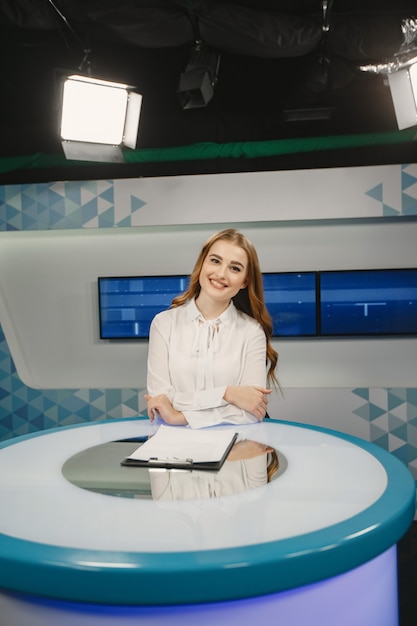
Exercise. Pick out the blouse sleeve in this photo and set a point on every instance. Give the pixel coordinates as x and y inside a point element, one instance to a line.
<point>158,377</point>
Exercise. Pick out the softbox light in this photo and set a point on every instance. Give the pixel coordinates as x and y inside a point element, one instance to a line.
<point>98,118</point>
<point>403,86</point>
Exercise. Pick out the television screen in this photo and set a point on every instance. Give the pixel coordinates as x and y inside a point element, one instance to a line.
<point>368,302</point>
<point>127,305</point>
<point>301,304</point>
<point>291,301</point>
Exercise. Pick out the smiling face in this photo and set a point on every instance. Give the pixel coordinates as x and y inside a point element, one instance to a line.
<point>223,273</point>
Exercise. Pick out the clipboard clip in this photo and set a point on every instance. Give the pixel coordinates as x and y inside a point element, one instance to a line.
<point>171,460</point>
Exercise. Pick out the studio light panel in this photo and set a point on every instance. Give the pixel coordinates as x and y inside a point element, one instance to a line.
<point>97,117</point>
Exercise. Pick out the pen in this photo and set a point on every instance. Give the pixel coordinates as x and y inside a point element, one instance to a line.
<point>173,459</point>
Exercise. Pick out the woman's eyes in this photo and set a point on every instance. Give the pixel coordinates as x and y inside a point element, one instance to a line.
<point>234,268</point>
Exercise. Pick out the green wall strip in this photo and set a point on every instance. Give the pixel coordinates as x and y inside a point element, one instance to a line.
<point>209,150</point>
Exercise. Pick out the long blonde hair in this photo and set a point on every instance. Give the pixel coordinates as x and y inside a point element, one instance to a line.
<point>273,465</point>
<point>250,299</point>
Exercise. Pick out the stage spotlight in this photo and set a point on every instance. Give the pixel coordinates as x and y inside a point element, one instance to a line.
<point>197,82</point>
<point>403,86</point>
<point>98,118</point>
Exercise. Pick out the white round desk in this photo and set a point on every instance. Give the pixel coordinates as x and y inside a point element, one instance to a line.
<point>316,545</point>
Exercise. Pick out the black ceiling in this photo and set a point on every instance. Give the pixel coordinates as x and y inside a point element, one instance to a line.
<point>268,49</point>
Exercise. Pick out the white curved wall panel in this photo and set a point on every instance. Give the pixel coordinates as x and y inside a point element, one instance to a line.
<point>49,308</point>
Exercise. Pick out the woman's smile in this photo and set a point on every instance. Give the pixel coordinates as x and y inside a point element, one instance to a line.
<point>216,283</point>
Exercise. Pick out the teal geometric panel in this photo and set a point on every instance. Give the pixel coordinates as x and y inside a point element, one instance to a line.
<point>407,199</point>
<point>48,206</point>
<point>25,410</point>
<point>45,206</point>
<point>62,205</point>
<point>392,417</point>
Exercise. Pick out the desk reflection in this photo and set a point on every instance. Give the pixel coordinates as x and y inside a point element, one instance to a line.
<point>250,464</point>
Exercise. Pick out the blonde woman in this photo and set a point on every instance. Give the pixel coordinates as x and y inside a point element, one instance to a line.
<point>210,357</point>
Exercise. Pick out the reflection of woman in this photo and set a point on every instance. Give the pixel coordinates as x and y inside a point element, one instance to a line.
<point>250,464</point>
<point>247,449</point>
<point>210,357</point>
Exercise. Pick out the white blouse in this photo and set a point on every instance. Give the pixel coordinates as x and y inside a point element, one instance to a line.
<point>192,361</point>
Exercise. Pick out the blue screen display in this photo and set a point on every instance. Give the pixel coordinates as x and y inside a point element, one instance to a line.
<point>127,305</point>
<point>301,304</point>
<point>291,302</point>
<point>368,302</point>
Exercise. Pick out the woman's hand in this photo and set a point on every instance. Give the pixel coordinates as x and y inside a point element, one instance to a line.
<point>161,405</point>
<point>251,399</point>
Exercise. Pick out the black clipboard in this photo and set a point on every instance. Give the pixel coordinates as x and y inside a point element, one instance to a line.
<point>187,464</point>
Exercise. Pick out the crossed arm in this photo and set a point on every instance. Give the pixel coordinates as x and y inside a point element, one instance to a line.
<point>252,399</point>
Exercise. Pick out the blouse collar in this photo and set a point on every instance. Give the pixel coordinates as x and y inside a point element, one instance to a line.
<point>226,317</point>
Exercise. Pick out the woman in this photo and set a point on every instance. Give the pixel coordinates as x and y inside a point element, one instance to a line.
<point>210,358</point>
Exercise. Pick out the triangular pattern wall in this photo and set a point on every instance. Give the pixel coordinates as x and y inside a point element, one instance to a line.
<point>392,418</point>
<point>24,410</point>
<point>406,202</point>
<point>59,205</point>
<point>47,206</point>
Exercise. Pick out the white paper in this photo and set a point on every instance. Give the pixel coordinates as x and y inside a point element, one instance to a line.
<point>180,444</point>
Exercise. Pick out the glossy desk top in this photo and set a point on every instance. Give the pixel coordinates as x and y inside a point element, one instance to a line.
<point>339,502</point>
